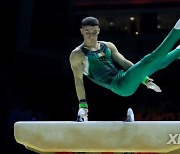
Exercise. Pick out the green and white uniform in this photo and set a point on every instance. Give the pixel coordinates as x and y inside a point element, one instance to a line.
<point>101,70</point>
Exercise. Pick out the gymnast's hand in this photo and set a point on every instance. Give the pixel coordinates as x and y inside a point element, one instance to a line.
<point>151,85</point>
<point>82,114</point>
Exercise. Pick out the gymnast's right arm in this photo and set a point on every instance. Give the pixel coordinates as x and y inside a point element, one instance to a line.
<point>76,60</point>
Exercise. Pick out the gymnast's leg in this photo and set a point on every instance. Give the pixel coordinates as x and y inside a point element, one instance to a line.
<point>133,77</point>
<point>171,56</point>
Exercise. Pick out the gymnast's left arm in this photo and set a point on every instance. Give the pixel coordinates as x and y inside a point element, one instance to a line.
<point>126,64</point>
<point>119,58</point>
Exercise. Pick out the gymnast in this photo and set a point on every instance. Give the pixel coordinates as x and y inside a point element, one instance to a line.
<point>96,60</point>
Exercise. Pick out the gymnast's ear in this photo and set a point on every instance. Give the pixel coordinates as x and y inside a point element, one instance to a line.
<point>81,30</point>
<point>99,30</point>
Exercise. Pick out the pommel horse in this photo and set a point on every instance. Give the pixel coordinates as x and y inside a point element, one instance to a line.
<point>99,136</point>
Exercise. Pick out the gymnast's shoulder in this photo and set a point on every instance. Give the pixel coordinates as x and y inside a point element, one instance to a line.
<point>76,53</point>
<point>108,44</point>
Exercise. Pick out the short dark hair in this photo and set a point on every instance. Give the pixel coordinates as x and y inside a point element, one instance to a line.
<point>90,21</point>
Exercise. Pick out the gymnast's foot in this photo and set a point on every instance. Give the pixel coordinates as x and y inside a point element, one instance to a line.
<point>130,115</point>
<point>177,25</point>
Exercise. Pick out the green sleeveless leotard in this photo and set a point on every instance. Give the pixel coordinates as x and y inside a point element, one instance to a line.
<point>99,66</point>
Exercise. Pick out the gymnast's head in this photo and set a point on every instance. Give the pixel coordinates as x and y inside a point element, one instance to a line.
<point>90,28</point>
<point>90,21</point>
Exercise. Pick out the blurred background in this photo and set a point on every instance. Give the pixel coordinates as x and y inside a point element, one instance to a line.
<point>36,81</point>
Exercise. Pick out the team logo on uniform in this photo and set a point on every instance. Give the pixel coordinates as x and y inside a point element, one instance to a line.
<point>101,54</point>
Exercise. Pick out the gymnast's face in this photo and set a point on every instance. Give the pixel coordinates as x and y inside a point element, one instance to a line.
<point>90,33</point>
